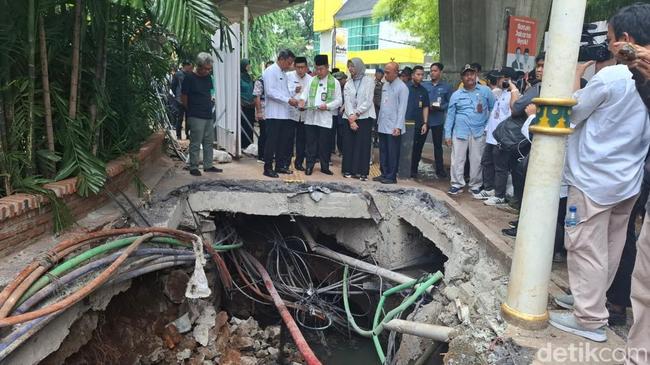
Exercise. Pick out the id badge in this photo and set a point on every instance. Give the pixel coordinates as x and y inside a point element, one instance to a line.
<point>420,104</point>
<point>479,107</point>
<point>323,96</point>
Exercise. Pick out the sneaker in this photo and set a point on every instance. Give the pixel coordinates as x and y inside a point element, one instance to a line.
<point>389,181</point>
<point>213,169</point>
<point>566,322</point>
<point>363,178</point>
<point>347,175</point>
<point>378,178</point>
<point>564,301</point>
<point>513,224</point>
<point>454,190</point>
<point>195,172</point>
<point>482,194</point>
<point>495,201</point>
<point>510,232</point>
<point>260,161</point>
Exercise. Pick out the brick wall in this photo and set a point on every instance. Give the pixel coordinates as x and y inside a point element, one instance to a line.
<point>25,217</point>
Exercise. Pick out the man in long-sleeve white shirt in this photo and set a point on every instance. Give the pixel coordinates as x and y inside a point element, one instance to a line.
<point>321,98</point>
<point>298,82</point>
<point>391,123</point>
<point>604,170</point>
<point>278,99</point>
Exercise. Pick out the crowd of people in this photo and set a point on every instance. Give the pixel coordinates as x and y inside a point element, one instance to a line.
<point>305,116</point>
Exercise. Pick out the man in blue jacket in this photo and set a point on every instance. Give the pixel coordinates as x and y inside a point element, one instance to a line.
<point>439,95</point>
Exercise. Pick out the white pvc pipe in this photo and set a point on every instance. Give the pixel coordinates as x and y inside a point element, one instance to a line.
<point>358,264</point>
<point>430,331</point>
<point>533,254</point>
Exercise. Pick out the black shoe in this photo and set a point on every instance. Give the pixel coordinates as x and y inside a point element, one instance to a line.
<point>510,232</point>
<point>283,170</point>
<point>271,173</point>
<point>213,169</point>
<point>378,178</point>
<point>388,181</point>
<point>195,172</point>
<point>513,224</point>
<point>616,317</point>
<point>299,167</point>
<point>327,172</point>
<point>363,178</point>
<point>309,170</point>
<point>559,257</point>
<point>442,174</point>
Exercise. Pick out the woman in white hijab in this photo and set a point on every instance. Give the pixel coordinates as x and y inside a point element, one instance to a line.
<point>359,113</point>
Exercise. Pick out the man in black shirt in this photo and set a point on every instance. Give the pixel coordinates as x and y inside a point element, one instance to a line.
<point>196,96</point>
<point>417,111</point>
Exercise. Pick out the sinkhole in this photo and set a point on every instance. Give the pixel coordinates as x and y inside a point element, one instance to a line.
<point>150,320</point>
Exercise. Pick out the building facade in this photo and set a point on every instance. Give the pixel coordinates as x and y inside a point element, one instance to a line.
<point>375,41</point>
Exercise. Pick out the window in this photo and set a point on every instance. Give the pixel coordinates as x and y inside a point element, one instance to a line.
<point>363,34</point>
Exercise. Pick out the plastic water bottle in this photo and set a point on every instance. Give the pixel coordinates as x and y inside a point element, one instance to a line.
<point>572,218</point>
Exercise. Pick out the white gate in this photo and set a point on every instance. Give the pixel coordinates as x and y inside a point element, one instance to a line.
<point>226,85</point>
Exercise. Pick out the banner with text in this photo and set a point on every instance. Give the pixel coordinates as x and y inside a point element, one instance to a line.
<point>522,43</point>
<point>341,48</point>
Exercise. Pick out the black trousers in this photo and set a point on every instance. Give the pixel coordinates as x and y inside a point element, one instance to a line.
<point>437,133</point>
<point>337,135</point>
<point>619,291</point>
<point>261,140</point>
<point>487,164</point>
<point>319,144</point>
<point>179,122</point>
<point>504,162</point>
<point>247,127</point>
<point>357,147</point>
<point>559,228</point>
<point>418,144</point>
<point>285,141</point>
<point>389,150</point>
<point>299,143</point>
<point>276,140</point>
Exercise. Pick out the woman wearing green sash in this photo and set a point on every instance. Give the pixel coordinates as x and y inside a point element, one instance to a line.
<point>321,100</point>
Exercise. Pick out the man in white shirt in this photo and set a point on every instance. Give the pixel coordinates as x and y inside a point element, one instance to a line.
<point>298,81</point>
<point>278,99</point>
<point>604,169</point>
<point>320,99</point>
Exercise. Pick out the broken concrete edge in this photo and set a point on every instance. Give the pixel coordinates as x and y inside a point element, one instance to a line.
<point>15,205</point>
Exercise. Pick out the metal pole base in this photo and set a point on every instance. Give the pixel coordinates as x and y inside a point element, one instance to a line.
<point>524,320</point>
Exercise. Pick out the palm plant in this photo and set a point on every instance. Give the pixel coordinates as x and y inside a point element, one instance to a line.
<point>92,98</point>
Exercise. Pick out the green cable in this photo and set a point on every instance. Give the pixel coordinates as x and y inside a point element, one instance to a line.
<point>348,312</point>
<point>77,260</point>
<point>223,248</point>
<point>378,327</point>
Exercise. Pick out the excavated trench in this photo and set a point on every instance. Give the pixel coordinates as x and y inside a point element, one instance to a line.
<point>409,231</point>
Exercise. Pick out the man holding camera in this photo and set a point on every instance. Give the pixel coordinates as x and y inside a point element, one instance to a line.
<point>603,169</point>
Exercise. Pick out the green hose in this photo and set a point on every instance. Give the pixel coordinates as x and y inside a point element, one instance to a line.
<point>77,260</point>
<point>377,326</point>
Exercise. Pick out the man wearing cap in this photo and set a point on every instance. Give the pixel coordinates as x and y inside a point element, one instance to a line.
<point>467,115</point>
<point>406,75</point>
<point>276,112</point>
<point>298,81</point>
<point>391,123</point>
<point>439,93</point>
<point>177,83</point>
<point>321,100</point>
<point>495,159</point>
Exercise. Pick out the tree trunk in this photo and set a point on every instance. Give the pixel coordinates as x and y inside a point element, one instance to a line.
<point>74,78</point>
<point>31,70</point>
<point>46,85</point>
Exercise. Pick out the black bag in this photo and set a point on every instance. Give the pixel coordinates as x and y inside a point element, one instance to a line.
<point>508,135</point>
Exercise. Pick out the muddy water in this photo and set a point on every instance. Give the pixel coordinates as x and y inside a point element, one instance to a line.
<point>339,349</point>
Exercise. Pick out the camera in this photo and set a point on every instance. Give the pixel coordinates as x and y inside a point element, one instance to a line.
<point>590,49</point>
